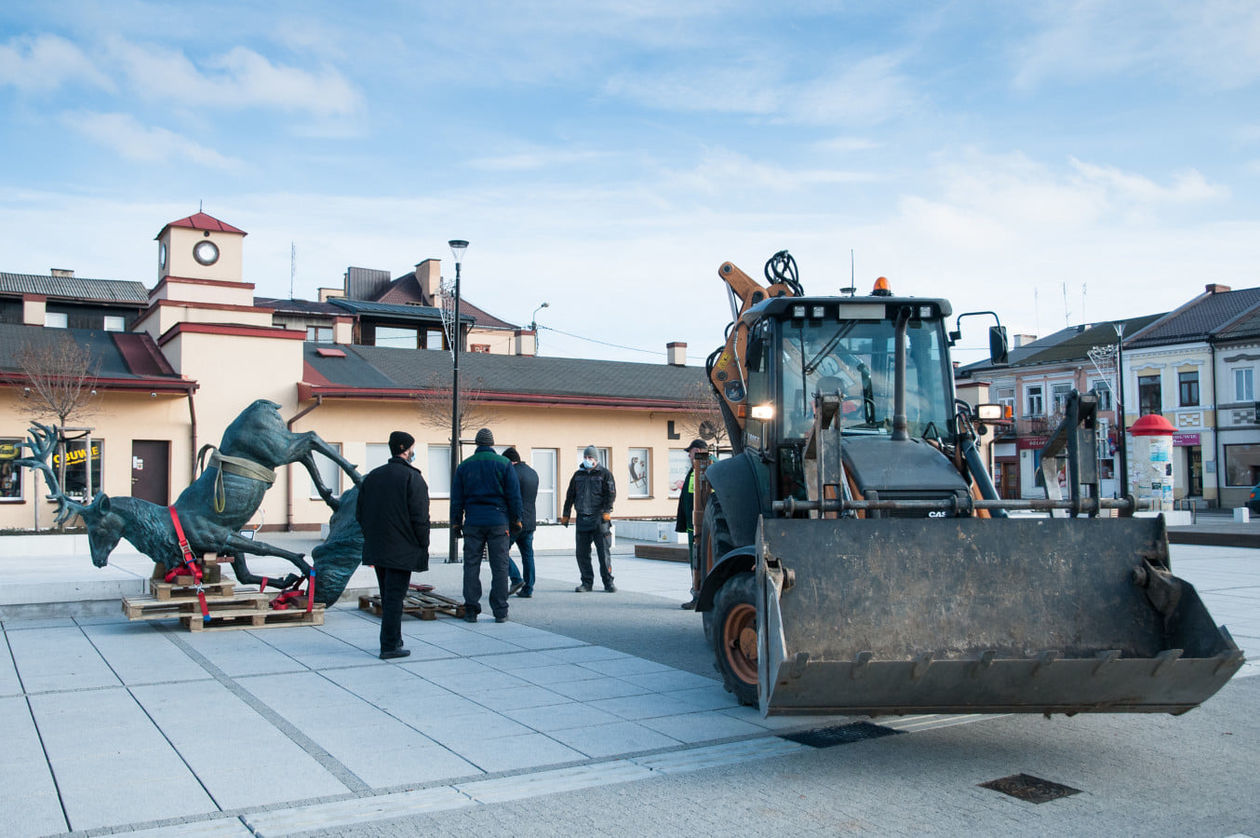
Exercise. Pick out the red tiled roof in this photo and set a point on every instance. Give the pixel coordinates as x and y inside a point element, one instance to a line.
<point>202,221</point>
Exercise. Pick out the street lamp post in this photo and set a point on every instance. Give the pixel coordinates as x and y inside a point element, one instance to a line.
<point>458,246</point>
<point>533,324</point>
<point>1123,446</point>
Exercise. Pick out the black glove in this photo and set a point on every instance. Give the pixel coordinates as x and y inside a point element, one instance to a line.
<point>458,530</point>
<point>514,529</point>
<point>565,521</point>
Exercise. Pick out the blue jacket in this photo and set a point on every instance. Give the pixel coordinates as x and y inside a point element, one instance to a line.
<point>485,491</point>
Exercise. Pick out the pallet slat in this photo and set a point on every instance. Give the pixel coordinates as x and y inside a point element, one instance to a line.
<point>226,621</point>
<point>424,605</point>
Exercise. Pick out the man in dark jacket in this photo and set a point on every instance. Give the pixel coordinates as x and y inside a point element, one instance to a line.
<point>592,491</point>
<point>393,511</point>
<point>684,521</point>
<point>523,586</point>
<point>486,510</point>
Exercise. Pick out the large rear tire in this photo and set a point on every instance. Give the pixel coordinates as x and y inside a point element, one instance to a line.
<point>715,542</point>
<point>735,636</point>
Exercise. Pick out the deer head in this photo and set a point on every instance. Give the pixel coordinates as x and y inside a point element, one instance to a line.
<point>104,527</point>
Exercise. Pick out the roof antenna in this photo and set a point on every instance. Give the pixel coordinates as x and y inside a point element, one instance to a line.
<point>852,289</point>
<point>292,266</point>
<point>199,202</point>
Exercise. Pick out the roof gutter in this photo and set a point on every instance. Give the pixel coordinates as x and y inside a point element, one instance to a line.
<point>308,391</point>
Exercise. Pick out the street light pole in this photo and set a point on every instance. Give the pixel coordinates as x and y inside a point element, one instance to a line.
<point>458,246</point>
<point>533,325</point>
<point>1123,446</point>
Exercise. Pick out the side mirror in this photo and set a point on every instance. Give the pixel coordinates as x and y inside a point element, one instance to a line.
<point>997,345</point>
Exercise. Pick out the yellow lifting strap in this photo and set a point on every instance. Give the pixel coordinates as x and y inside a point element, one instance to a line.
<point>235,465</point>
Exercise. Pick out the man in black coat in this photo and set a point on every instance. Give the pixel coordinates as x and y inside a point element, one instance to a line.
<point>592,492</point>
<point>393,511</point>
<point>523,586</point>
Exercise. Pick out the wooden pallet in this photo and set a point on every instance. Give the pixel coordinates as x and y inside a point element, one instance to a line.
<point>152,608</point>
<point>425,605</point>
<point>184,588</point>
<point>228,620</point>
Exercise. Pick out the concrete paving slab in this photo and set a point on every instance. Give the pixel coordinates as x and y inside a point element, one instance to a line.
<point>670,680</point>
<point>597,688</point>
<point>513,753</point>
<point>566,716</point>
<point>28,795</point>
<point>622,667</point>
<point>10,684</point>
<point>58,659</point>
<point>704,726</point>
<point>359,810</point>
<point>240,654</point>
<point>557,674</point>
<point>139,654</point>
<point>217,828</point>
<point>121,751</point>
<point>553,782</point>
<point>614,738</point>
<point>643,706</point>
<point>584,653</point>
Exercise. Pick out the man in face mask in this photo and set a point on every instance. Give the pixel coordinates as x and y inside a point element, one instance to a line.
<point>592,491</point>
<point>393,510</point>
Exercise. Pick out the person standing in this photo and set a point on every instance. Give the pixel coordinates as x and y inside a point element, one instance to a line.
<point>486,508</point>
<point>685,520</point>
<point>524,540</point>
<point>592,492</point>
<point>393,511</point>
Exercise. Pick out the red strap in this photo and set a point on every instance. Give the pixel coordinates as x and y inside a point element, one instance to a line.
<point>310,591</point>
<point>192,566</point>
<point>263,586</point>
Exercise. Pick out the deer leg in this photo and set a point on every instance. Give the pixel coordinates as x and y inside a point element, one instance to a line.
<point>304,443</point>
<point>308,462</point>
<point>246,577</point>
<point>240,544</point>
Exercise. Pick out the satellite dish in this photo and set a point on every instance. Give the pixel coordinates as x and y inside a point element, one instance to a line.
<point>707,430</point>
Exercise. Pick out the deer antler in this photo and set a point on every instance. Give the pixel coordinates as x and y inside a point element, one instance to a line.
<point>43,441</point>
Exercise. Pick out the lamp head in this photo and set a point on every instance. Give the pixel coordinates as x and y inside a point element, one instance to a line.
<point>458,246</point>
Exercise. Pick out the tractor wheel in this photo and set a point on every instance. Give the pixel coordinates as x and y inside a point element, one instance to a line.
<point>735,636</point>
<point>715,542</point>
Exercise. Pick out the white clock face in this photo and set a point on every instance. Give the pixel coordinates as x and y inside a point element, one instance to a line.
<point>205,252</point>
<point>162,254</point>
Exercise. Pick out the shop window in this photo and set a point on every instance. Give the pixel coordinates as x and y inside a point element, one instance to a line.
<point>83,473</point>
<point>639,473</point>
<point>10,472</point>
<point>1188,388</point>
<point>1150,397</point>
<point>329,472</point>
<point>1242,465</point>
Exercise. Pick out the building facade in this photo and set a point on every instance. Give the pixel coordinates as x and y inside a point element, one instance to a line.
<point>172,365</point>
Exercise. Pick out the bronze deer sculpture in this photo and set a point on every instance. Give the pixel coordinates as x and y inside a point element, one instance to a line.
<point>214,508</point>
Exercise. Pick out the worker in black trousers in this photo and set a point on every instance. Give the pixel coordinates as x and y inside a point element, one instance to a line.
<point>393,510</point>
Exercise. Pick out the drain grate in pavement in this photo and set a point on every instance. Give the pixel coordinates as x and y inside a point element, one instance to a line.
<point>826,737</point>
<point>1030,788</point>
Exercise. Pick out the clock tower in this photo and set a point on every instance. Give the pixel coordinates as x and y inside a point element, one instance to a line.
<point>200,247</point>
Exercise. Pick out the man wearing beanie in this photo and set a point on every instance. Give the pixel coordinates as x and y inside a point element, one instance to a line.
<point>486,508</point>
<point>592,491</point>
<point>393,510</point>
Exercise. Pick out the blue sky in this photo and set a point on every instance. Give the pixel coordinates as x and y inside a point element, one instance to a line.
<point>1057,162</point>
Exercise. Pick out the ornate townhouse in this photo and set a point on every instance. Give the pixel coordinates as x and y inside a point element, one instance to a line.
<point>1195,366</point>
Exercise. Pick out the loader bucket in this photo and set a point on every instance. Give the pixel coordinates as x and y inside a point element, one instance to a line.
<point>968,615</point>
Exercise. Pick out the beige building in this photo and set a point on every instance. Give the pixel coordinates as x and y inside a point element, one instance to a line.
<point>175,363</point>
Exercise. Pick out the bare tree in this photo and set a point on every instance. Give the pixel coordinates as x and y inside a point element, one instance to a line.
<point>61,382</point>
<point>703,416</point>
<point>434,405</point>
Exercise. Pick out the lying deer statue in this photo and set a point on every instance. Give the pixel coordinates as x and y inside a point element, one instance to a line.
<point>214,508</point>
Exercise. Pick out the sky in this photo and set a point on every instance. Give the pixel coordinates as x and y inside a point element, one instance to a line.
<point>1055,162</point>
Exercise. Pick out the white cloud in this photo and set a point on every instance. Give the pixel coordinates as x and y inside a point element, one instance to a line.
<point>239,78</point>
<point>535,158</point>
<point>1188,186</point>
<point>126,136</point>
<point>869,91</point>
<point>1217,41</point>
<point>42,63</point>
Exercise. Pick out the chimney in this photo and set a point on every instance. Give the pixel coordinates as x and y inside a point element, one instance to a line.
<point>1213,288</point>
<point>429,277</point>
<point>1021,340</point>
<point>525,342</point>
<point>676,354</point>
<point>67,273</point>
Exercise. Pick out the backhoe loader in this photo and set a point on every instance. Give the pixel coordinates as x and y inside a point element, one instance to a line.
<point>854,556</point>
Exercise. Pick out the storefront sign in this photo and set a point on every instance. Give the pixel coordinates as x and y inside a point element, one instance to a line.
<point>1025,443</point>
<point>1185,439</point>
<point>10,451</point>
